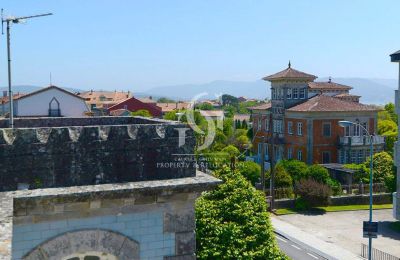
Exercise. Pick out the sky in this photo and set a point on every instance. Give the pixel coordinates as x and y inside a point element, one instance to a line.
<point>136,45</point>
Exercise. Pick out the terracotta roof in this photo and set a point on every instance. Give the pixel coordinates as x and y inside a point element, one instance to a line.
<point>94,96</point>
<point>346,95</point>
<point>261,107</point>
<point>4,100</point>
<point>289,73</point>
<point>212,113</point>
<point>167,107</point>
<point>327,85</point>
<point>147,100</point>
<point>323,103</point>
<point>50,87</point>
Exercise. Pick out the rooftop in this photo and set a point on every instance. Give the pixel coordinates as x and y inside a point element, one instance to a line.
<point>264,106</point>
<point>328,85</point>
<point>323,103</point>
<point>290,73</point>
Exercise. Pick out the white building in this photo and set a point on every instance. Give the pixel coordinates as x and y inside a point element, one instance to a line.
<point>51,101</point>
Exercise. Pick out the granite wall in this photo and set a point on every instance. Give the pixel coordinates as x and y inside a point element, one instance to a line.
<point>92,151</point>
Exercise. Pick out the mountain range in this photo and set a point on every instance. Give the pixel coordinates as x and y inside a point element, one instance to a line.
<point>372,91</point>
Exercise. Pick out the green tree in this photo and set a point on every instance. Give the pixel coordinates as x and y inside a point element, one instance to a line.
<point>250,170</point>
<point>391,109</point>
<point>244,124</point>
<point>205,106</point>
<point>141,112</point>
<point>165,100</point>
<point>232,222</point>
<point>383,167</point>
<point>388,129</point>
<point>231,150</point>
<point>282,177</point>
<point>229,100</point>
<point>296,169</point>
<point>318,173</point>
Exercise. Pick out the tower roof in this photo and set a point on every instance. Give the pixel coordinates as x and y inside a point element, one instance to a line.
<point>290,73</point>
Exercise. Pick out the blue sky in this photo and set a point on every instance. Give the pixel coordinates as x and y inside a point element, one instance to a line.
<point>137,45</point>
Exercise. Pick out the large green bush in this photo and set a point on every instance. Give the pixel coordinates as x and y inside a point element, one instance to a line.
<point>250,170</point>
<point>282,177</point>
<point>232,222</point>
<point>296,169</point>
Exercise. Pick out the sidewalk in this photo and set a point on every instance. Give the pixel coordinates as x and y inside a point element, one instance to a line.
<point>324,249</point>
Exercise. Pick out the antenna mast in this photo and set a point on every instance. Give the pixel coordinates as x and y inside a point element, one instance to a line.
<point>7,21</point>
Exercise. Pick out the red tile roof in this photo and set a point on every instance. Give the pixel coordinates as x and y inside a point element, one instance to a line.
<point>328,85</point>
<point>347,95</point>
<point>322,103</point>
<point>289,73</point>
<point>261,107</point>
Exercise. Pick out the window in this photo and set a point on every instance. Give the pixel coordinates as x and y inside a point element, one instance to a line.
<point>299,128</point>
<point>357,130</point>
<point>302,93</point>
<point>290,153</point>
<point>326,157</point>
<point>300,155</point>
<point>342,157</point>
<point>289,93</point>
<point>266,151</point>
<point>259,124</point>
<point>259,148</point>
<point>326,129</point>
<point>353,156</point>
<point>364,124</point>
<point>295,93</point>
<point>290,127</point>
<point>347,131</point>
<point>267,124</point>
<point>273,93</point>
<point>360,156</point>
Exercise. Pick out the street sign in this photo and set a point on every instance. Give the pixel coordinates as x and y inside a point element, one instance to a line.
<point>370,229</point>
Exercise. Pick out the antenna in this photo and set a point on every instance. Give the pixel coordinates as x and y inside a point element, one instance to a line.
<point>14,20</point>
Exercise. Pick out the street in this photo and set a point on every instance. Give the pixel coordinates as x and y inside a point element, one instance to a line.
<point>295,251</point>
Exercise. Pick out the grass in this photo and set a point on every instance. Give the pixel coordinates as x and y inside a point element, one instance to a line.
<point>287,211</point>
<point>395,226</point>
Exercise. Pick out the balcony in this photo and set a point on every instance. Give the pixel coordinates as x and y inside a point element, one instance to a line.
<point>361,140</point>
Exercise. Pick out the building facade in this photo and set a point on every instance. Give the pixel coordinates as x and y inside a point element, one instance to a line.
<point>51,101</point>
<point>395,57</point>
<point>302,121</point>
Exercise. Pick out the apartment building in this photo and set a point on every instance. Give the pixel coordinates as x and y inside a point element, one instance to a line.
<point>302,121</point>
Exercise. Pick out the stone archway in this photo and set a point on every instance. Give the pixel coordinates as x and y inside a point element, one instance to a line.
<point>89,240</point>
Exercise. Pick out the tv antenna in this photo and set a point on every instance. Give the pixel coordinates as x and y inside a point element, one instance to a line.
<point>13,20</point>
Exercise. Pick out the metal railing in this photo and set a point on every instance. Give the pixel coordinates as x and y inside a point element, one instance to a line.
<point>377,254</point>
<point>363,188</point>
<point>361,140</point>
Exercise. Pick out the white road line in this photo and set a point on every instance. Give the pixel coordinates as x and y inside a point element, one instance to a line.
<point>281,239</point>
<point>312,255</point>
<point>298,248</point>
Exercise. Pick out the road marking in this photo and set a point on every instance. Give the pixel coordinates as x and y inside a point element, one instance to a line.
<point>281,239</point>
<point>298,248</point>
<point>312,255</point>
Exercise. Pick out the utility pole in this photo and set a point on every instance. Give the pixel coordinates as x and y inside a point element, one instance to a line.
<point>14,20</point>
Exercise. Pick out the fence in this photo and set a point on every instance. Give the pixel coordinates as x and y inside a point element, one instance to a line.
<point>281,193</point>
<point>377,254</point>
<point>363,188</point>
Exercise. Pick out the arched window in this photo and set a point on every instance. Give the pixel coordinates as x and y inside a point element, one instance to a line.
<point>90,256</point>
<point>54,108</point>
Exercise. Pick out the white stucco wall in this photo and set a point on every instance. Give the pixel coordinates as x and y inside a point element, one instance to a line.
<point>38,104</point>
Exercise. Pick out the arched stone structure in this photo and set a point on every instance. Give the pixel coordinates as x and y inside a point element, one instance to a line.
<point>89,240</point>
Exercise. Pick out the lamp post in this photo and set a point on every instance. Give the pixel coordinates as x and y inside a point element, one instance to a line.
<point>347,124</point>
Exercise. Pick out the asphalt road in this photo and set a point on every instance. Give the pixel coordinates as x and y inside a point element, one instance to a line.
<point>295,251</point>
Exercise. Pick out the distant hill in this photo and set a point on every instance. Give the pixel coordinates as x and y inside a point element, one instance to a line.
<point>372,91</point>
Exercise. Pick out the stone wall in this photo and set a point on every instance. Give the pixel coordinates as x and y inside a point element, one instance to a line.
<point>156,217</point>
<point>92,151</point>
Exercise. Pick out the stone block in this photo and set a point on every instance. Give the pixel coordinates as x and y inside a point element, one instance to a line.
<point>83,241</point>
<point>185,243</point>
<point>179,221</point>
<point>57,248</point>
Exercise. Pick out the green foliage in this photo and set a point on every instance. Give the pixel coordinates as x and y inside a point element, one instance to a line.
<point>391,109</point>
<point>318,173</point>
<point>205,106</point>
<point>296,169</point>
<point>171,115</point>
<point>387,126</point>
<point>313,193</point>
<point>230,110</point>
<point>229,100</point>
<point>250,170</point>
<point>282,177</point>
<point>232,222</point>
<point>231,150</point>
<point>383,167</point>
<point>141,112</point>
<point>165,100</point>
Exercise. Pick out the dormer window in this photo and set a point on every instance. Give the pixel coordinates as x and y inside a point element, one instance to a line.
<point>302,93</point>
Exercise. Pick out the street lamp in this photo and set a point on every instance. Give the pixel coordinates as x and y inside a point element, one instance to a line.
<point>348,124</point>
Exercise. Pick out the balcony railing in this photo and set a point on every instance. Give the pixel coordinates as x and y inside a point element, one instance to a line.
<point>361,140</point>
